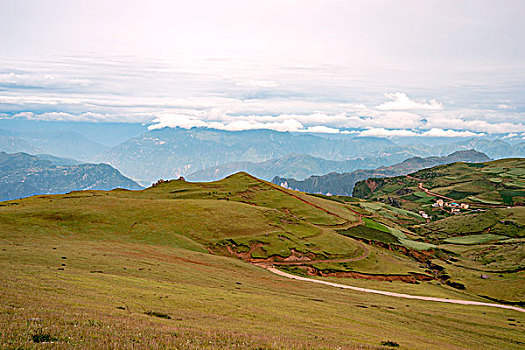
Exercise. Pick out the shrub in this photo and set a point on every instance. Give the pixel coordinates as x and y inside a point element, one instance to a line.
<point>40,336</point>
<point>158,314</point>
<point>390,343</point>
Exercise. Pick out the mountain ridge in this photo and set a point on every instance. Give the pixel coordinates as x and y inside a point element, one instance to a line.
<point>343,183</point>
<point>23,175</point>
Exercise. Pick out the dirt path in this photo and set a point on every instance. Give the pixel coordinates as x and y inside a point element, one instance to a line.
<point>414,178</point>
<point>391,294</point>
<point>427,191</point>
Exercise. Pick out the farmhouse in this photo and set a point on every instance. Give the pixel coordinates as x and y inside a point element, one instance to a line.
<point>439,203</point>
<point>423,214</point>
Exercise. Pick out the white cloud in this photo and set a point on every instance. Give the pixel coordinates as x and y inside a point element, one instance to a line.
<point>188,122</point>
<point>177,120</point>
<point>40,80</point>
<point>322,129</point>
<point>435,132</point>
<point>400,101</point>
<point>395,120</point>
<point>308,97</point>
<point>449,121</point>
<point>382,132</point>
<point>83,117</point>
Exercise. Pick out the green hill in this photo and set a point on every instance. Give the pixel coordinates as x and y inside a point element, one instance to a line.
<point>174,266</point>
<point>495,183</point>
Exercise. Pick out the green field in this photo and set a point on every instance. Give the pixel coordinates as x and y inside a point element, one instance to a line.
<point>474,239</point>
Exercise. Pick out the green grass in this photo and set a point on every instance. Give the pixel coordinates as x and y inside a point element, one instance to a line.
<point>212,302</point>
<point>416,244</point>
<point>420,194</point>
<point>517,172</point>
<point>484,201</point>
<point>458,195</point>
<point>459,181</point>
<point>194,222</point>
<point>371,234</point>
<point>464,224</point>
<point>474,239</point>
<point>396,232</point>
<point>375,225</point>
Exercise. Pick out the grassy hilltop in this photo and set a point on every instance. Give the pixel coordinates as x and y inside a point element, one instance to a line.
<point>173,266</point>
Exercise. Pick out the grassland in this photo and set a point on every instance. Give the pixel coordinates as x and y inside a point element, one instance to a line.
<point>131,295</point>
<point>160,268</point>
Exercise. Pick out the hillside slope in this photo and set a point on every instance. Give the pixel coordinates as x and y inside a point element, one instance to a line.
<point>23,175</point>
<point>500,182</point>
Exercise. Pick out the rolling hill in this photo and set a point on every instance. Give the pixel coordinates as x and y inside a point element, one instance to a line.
<point>343,184</point>
<point>179,265</point>
<point>495,183</point>
<point>23,175</point>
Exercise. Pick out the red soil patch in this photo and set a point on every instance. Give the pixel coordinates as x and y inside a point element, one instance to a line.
<point>411,278</point>
<point>372,185</point>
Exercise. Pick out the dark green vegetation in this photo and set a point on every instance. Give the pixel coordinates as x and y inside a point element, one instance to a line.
<point>23,175</point>
<point>343,184</point>
<point>160,268</point>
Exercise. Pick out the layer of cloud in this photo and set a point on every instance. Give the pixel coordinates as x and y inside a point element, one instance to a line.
<point>381,132</point>
<point>241,97</point>
<point>400,101</point>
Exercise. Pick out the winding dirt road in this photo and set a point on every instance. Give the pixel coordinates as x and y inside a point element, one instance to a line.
<point>366,290</point>
<point>391,294</point>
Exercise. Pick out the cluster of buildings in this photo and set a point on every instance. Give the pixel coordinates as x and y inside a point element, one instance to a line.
<point>425,215</point>
<point>454,207</point>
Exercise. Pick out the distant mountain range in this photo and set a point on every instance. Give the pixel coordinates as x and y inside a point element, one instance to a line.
<point>343,184</point>
<point>297,166</point>
<point>23,175</point>
<point>204,154</point>
<point>171,152</point>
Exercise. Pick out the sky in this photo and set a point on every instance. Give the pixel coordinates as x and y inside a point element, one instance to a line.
<point>375,68</point>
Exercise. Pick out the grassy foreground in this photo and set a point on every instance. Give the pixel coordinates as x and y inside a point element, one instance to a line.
<point>89,294</point>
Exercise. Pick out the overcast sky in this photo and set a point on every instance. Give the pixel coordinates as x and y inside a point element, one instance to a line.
<point>439,68</point>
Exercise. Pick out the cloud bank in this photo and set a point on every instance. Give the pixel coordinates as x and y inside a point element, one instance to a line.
<point>242,97</point>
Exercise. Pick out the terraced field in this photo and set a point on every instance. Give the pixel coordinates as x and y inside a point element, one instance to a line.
<point>499,182</point>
